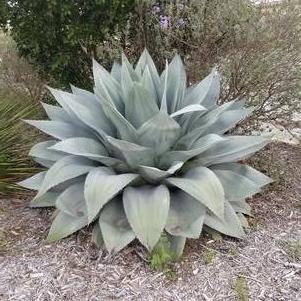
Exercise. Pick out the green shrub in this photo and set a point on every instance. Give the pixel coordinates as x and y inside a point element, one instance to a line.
<point>50,34</point>
<point>142,155</point>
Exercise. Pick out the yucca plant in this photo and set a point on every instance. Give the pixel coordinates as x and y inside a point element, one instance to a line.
<point>14,143</point>
<point>143,155</point>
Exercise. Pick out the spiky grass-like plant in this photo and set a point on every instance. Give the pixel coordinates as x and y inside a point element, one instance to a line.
<point>144,154</point>
<point>14,144</point>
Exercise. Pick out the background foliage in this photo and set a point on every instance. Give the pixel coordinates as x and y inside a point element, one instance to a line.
<point>51,33</point>
<point>256,48</point>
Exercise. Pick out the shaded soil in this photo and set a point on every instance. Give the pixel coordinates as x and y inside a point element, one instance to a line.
<point>268,259</point>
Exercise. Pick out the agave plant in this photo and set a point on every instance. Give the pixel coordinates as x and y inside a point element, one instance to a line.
<point>145,155</point>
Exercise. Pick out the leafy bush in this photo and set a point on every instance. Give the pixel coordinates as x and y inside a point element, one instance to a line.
<point>257,48</point>
<point>143,155</point>
<point>50,33</point>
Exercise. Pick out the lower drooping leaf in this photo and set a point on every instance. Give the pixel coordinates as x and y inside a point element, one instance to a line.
<point>41,150</point>
<point>202,184</point>
<point>34,182</point>
<point>101,185</point>
<point>72,201</point>
<point>234,148</point>
<point>242,207</point>
<point>60,130</point>
<point>80,146</point>
<point>234,192</point>
<point>146,208</point>
<point>97,235</point>
<point>65,169</point>
<point>48,199</point>
<point>229,225</point>
<point>64,225</point>
<point>252,174</point>
<point>186,215</point>
<point>115,229</point>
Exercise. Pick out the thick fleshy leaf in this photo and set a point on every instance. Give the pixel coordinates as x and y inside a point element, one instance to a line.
<point>115,228</point>
<point>116,71</point>
<point>242,206</point>
<point>196,125</point>
<point>97,235</point>
<point>240,181</point>
<point>230,225</point>
<point>164,87</point>
<point>146,62</point>
<point>125,63</point>
<point>87,110</point>
<point>188,109</point>
<point>101,185</point>
<point>133,154</point>
<point>127,82</point>
<point>160,133</point>
<point>140,106</point>
<point>234,148</point>
<point>244,170</point>
<point>91,149</point>
<point>236,187</point>
<point>65,169</point>
<point>176,85</point>
<point>186,215</point>
<point>146,208</point>
<point>154,174</point>
<point>64,225</point>
<point>125,130</point>
<point>56,113</point>
<point>106,84</point>
<point>41,150</point>
<point>72,201</point>
<point>199,147</point>
<point>43,162</point>
<point>228,120</point>
<point>206,92</point>
<point>60,130</point>
<point>48,199</point>
<point>148,84</point>
<point>33,182</point>
<point>80,147</point>
<point>62,101</point>
<point>202,184</point>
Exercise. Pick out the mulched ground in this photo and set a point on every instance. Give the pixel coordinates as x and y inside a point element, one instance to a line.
<point>263,266</point>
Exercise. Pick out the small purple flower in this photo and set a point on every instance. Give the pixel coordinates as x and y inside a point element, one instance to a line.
<point>156,9</point>
<point>181,23</point>
<point>164,21</point>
